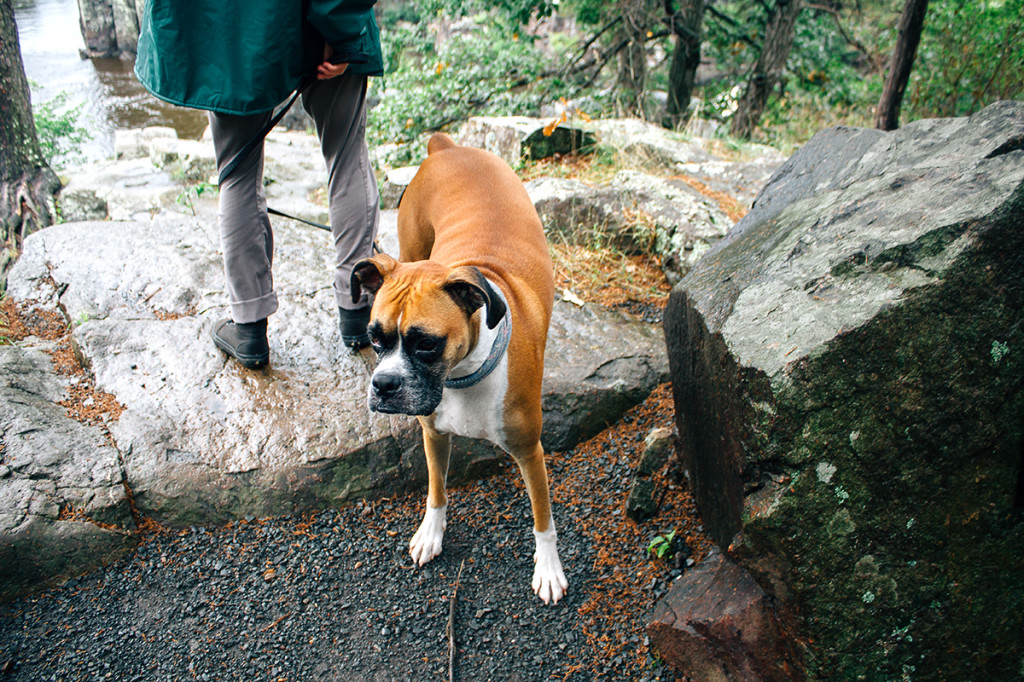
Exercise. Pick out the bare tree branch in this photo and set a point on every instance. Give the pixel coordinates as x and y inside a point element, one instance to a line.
<point>742,37</point>
<point>451,625</point>
<point>875,63</point>
<point>589,43</point>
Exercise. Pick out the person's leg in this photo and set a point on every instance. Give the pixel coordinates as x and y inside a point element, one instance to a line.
<point>338,109</point>
<point>246,239</point>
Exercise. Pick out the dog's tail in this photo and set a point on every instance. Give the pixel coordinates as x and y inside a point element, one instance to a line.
<point>438,142</point>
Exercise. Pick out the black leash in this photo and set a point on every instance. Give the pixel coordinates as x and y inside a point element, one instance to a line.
<point>262,135</point>
<point>274,211</point>
<point>257,140</point>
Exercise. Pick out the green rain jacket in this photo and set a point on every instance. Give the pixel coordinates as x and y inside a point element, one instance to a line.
<point>247,56</point>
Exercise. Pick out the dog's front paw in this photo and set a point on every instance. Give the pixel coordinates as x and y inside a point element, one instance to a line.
<point>426,543</point>
<point>549,581</point>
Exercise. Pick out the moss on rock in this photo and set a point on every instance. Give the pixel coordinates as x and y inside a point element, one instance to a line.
<point>869,359</point>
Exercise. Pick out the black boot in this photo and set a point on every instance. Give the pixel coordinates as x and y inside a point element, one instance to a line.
<point>245,342</point>
<point>353,327</point>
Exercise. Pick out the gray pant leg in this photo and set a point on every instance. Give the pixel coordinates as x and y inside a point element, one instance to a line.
<point>245,235</point>
<point>337,106</point>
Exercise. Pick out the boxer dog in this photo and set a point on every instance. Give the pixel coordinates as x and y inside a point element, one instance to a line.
<point>459,324</point>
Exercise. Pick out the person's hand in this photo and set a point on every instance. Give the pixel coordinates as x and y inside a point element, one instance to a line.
<point>326,70</point>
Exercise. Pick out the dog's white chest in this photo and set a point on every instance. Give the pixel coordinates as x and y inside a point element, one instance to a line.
<point>476,411</point>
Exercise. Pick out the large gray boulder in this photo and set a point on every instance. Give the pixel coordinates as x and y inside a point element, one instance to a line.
<point>847,369</point>
<point>201,440</point>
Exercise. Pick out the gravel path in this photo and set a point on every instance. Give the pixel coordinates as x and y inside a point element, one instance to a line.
<point>335,595</point>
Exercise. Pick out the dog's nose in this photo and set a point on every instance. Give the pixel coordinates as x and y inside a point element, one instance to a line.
<point>385,385</point>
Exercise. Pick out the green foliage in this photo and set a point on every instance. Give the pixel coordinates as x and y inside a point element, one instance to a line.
<point>970,55</point>
<point>661,547</point>
<point>594,13</point>
<point>193,192</point>
<point>791,120</point>
<point>824,64</point>
<point>828,79</point>
<point>59,131</point>
<point>489,71</point>
<point>999,350</point>
<point>511,11</point>
<point>731,37</point>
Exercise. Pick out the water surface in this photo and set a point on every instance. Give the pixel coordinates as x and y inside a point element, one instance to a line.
<point>106,89</point>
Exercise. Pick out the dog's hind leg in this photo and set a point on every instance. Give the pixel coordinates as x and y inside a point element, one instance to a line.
<point>549,581</point>
<point>426,543</point>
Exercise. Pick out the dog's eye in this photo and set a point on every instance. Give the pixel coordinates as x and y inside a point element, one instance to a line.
<point>423,345</point>
<point>427,349</point>
<point>379,341</point>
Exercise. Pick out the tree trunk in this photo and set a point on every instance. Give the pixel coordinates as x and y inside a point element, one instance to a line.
<point>778,41</point>
<point>911,24</point>
<point>686,24</point>
<point>632,74</point>
<point>27,185</point>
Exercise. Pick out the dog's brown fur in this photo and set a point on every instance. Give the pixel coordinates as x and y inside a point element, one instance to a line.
<point>466,209</point>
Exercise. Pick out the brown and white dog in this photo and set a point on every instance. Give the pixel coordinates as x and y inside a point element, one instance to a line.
<point>459,327</point>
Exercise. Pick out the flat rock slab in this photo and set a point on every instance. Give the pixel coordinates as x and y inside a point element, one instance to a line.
<point>202,440</point>
<point>63,507</point>
<point>738,172</point>
<point>847,371</point>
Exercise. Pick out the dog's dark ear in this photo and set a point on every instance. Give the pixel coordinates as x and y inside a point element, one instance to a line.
<point>369,274</point>
<point>471,291</point>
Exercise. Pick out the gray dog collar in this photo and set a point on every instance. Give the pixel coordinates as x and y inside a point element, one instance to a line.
<point>498,349</point>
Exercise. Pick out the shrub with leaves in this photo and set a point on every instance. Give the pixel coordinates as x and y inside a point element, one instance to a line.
<point>59,132</point>
<point>971,54</point>
<point>829,73</point>
<point>489,70</point>
<point>661,546</point>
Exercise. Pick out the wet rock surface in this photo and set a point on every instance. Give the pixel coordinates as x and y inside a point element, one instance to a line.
<point>63,507</point>
<point>849,402</point>
<point>193,442</point>
<point>201,440</point>
<point>335,595</point>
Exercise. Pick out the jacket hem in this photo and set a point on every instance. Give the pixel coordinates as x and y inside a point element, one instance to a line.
<point>206,106</point>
